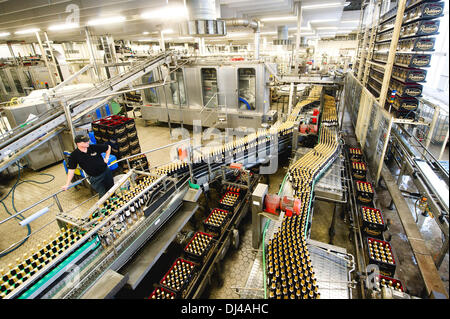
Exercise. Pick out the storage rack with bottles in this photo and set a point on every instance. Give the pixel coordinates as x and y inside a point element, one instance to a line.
<point>402,48</point>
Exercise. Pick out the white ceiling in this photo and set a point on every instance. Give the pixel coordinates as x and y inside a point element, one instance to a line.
<point>18,15</point>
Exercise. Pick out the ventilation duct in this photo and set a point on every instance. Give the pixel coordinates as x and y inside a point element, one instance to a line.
<point>283,36</point>
<point>203,20</point>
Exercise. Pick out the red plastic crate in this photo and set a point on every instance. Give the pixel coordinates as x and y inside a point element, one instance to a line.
<point>162,293</point>
<point>198,257</point>
<point>213,229</point>
<point>386,268</point>
<point>184,283</point>
<point>396,284</point>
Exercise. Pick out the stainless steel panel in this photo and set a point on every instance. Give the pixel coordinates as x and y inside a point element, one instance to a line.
<point>193,87</point>
<point>227,83</point>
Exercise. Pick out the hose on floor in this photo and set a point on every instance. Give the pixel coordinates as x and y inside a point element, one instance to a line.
<point>20,216</point>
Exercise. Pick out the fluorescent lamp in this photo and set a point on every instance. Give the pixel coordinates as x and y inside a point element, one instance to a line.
<point>302,28</point>
<point>168,12</point>
<point>110,20</point>
<point>323,5</point>
<point>64,26</point>
<point>26,31</point>
<point>145,32</point>
<point>4,34</point>
<point>167,31</point>
<point>323,20</point>
<point>278,18</point>
<point>238,34</point>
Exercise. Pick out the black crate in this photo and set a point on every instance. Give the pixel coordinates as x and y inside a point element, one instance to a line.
<point>130,125</point>
<point>133,142</point>
<point>364,192</point>
<point>386,268</point>
<point>162,293</point>
<point>181,289</point>
<point>135,150</point>
<point>230,200</point>
<point>116,129</point>
<point>119,140</point>
<point>359,170</point>
<point>391,283</point>
<point>132,134</point>
<point>372,221</point>
<point>199,255</point>
<point>216,228</point>
<point>355,154</point>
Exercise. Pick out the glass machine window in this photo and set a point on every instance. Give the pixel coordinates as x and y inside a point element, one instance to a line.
<point>209,87</point>
<point>16,80</point>
<point>5,81</point>
<point>178,77</point>
<point>247,88</point>
<point>150,94</point>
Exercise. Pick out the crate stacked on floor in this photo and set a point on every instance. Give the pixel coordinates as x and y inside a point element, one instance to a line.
<point>120,133</point>
<point>413,55</point>
<point>178,280</point>
<point>373,224</point>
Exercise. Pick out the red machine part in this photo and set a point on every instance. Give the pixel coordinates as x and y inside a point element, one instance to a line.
<point>271,203</point>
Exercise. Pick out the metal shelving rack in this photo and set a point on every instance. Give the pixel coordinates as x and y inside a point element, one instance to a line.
<point>400,50</point>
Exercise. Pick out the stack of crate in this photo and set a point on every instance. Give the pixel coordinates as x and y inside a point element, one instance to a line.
<point>120,133</point>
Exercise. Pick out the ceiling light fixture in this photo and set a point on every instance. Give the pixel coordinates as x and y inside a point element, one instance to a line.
<point>323,5</point>
<point>327,28</point>
<point>167,31</point>
<point>349,21</point>
<point>5,34</point>
<point>168,12</point>
<point>268,19</point>
<point>26,31</point>
<point>65,26</point>
<point>323,20</point>
<point>109,20</point>
<point>145,32</point>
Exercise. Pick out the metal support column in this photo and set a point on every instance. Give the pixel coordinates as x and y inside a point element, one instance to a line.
<point>92,53</point>
<point>44,56</point>
<point>50,48</point>
<point>392,51</point>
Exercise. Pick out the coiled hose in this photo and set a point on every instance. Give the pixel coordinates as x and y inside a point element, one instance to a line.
<point>20,216</point>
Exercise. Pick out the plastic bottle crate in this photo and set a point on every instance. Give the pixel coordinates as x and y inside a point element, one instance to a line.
<point>133,142</point>
<point>199,257</point>
<point>162,293</point>
<point>372,226</point>
<point>135,150</point>
<point>364,192</point>
<point>132,134</point>
<point>386,268</point>
<point>230,200</point>
<point>216,230</point>
<point>355,154</point>
<point>359,170</point>
<point>181,290</point>
<point>396,284</point>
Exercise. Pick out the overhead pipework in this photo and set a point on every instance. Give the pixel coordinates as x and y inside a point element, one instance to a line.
<point>203,19</point>
<point>283,36</point>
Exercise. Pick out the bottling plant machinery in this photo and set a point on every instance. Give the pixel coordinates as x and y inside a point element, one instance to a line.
<point>106,238</point>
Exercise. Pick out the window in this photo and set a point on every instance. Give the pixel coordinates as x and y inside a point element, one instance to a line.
<point>5,81</point>
<point>150,94</point>
<point>209,87</point>
<point>247,88</point>
<point>178,77</point>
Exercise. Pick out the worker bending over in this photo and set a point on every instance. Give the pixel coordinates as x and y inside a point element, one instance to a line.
<point>90,159</point>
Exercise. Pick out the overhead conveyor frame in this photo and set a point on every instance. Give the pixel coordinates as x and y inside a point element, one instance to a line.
<point>83,102</point>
